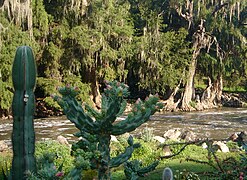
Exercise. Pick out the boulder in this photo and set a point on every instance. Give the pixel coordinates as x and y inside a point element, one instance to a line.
<point>63,140</point>
<point>173,134</point>
<point>159,139</point>
<point>222,146</point>
<point>188,136</point>
<point>167,151</point>
<point>233,137</point>
<point>239,137</point>
<point>204,145</point>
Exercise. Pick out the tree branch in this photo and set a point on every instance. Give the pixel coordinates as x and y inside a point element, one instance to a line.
<point>196,142</point>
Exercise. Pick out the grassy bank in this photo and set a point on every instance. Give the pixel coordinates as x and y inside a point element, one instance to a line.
<point>183,165</point>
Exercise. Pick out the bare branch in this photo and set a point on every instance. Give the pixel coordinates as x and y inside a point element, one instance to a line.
<point>196,142</point>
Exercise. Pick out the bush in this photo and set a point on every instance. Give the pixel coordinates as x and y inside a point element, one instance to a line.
<point>62,153</point>
<point>5,163</point>
<point>147,153</point>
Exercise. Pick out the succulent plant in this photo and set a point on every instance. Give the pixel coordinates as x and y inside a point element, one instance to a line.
<point>23,135</point>
<point>96,127</point>
<point>133,169</point>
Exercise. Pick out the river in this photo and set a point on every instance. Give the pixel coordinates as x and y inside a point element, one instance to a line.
<point>218,124</point>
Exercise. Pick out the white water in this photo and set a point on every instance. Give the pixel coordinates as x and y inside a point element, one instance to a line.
<point>218,124</point>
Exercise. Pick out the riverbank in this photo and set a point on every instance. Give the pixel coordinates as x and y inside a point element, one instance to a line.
<point>228,99</point>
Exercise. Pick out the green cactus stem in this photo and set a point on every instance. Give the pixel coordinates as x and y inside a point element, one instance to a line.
<point>101,124</point>
<point>133,169</point>
<point>23,136</point>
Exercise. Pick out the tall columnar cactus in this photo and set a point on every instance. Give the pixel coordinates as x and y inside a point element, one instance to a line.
<point>101,124</point>
<point>23,136</point>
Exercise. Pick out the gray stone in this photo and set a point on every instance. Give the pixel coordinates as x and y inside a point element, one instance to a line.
<point>222,146</point>
<point>63,140</point>
<point>173,134</point>
<point>204,145</point>
<point>159,139</point>
<point>167,151</point>
<point>188,136</point>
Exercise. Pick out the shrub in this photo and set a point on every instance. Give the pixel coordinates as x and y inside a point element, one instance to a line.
<point>62,153</point>
<point>5,163</point>
<point>147,153</point>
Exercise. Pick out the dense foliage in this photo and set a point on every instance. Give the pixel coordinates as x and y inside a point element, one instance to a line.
<point>150,45</point>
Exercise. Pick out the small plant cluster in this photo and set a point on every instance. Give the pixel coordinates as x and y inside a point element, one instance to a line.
<point>46,168</point>
<point>184,174</point>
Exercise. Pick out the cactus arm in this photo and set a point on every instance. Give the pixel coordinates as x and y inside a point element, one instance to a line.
<point>122,109</point>
<point>97,115</point>
<point>140,114</point>
<point>112,111</point>
<point>120,159</point>
<point>133,169</point>
<point>76,114</point>
<point>88,142</point>
<point>23,136</point>
<point>147,169</point>
<point>113,101</point>
<point>131,123</point>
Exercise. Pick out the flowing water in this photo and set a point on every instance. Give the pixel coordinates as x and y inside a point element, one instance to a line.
<point>218,124</point>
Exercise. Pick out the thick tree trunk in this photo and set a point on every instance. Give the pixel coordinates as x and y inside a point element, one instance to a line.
<point>200,40</point>
<point>189,86</point>
<point>95,87</point>
<point>170,104</point>
<point>211,97</point>
<point>219,88</point>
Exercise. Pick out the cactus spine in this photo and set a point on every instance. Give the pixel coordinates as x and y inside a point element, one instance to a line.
<point>101,124</point>
<point>23,136</point>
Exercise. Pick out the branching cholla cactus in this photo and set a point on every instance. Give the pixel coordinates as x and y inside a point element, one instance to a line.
<point>96,127</point>
<point>23,140</point>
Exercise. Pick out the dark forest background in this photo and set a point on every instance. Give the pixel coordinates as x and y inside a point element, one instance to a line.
<point>175,48</point>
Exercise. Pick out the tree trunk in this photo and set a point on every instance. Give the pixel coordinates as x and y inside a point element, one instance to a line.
<point>200,40</point>
<point>189,86</point>
<point>94,87</point>
<point>170,104</point>
<point>211,97</point>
